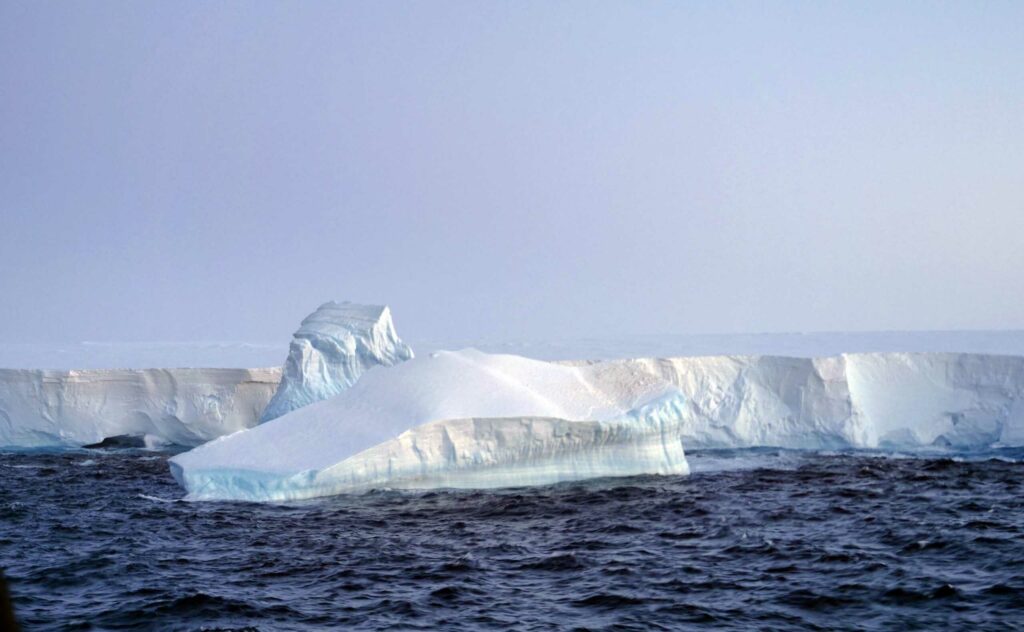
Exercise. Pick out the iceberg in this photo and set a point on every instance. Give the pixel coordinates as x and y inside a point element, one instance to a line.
<point>353,410</point>
<point>469,419</point>
<point>332,348</point>
<point>451,419</point>
<point>188,407</point>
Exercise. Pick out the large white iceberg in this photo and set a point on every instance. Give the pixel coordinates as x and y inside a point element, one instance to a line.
<point>333,347</point>
<point>49,408</point>
<point>468,419</point>
<point>452,419</point>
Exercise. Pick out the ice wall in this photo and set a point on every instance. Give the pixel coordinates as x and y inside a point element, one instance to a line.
<point>959,401</point>
<point>333,347</point>
<point>41,408</point>
<point>904,401</point>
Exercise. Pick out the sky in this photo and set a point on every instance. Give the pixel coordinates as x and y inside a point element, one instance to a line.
<point>176,171</point>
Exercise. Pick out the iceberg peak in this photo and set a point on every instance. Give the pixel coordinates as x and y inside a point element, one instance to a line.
<point>332,348</point>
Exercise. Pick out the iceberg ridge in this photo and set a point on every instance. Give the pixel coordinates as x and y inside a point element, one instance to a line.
<point>332,348</point>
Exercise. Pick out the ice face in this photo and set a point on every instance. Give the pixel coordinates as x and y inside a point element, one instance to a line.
<point>897,401</point>
<point>333,347</point>
<point>451,419</point>
<point>959,401</point>
<point>44,408</point>
<point>752,401</point>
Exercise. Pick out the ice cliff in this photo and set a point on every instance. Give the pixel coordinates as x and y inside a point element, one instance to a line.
<point>899,401</point>
<point>333,347</point>
<point>43,408</point>
<point>464,419</point>
<point>468,419</point>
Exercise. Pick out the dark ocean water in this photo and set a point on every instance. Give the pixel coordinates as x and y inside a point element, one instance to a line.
<point>95,540</point>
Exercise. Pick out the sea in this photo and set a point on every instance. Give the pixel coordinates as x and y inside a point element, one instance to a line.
<point>752,540</point>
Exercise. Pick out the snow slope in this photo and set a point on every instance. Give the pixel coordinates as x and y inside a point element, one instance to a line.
<point>333,347</point>
<point>41,408</point>
<point>451,419</point>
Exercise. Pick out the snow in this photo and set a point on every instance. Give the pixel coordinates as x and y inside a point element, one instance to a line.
<point>333,347</point>
<point>49,408</point>
<point>451,419</point>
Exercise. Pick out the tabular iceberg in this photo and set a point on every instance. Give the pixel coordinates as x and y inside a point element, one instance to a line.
<point>333,347</point>
<point>452,419</point>
<point>45,408</point>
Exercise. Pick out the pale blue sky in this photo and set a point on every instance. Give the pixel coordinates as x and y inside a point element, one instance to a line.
<point>183,171</point>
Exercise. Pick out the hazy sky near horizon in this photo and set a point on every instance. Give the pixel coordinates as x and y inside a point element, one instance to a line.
<point>509,170</point>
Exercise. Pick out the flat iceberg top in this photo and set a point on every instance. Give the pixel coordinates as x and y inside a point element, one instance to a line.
<point>445,385</point>
<point>342,316</point>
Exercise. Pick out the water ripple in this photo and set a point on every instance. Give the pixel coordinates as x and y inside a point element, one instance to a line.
<point>789,541</point>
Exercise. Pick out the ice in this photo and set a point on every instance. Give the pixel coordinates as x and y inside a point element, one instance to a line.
<point>469,419</point>
<point>333,347</point>
<point>959,401</point>
<point>462,419</point>
<point>50,408</point>
<point>903,401</point>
